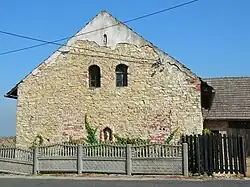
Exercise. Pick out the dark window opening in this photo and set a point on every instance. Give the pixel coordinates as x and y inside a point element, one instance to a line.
<point>107,134</point>
<point>94,76</point>
<point>121,75</point>
<point>105,39</point>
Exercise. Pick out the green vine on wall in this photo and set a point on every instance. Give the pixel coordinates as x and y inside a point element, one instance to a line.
<point>91,133</point>
<point>171,136</point>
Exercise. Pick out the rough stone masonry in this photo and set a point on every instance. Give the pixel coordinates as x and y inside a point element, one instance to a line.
<point>159,97</point>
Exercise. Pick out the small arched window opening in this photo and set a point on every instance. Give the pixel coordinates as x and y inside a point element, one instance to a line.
<point>105,39</point>
<point>94,76</point>
<point>121,75</point>
<point>107,134</point>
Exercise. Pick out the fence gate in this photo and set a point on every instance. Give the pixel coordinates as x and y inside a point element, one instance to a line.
<point>216,154</point>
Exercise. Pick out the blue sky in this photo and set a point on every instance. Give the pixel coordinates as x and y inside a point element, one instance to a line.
<point>210,37</point>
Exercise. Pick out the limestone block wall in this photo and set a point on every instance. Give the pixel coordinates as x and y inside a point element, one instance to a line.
<point>53,100</point>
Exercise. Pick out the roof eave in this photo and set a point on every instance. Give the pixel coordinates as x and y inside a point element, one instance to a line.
<point>12,93</point>
<point>228,118</point>
<point>10,96</point>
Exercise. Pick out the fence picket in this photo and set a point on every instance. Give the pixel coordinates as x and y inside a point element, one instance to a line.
<point>235,157</point>
<point>205,142</point>
<point>210,154</point>
<point>230,154</point>
<point>198,155</point>
<point>221,167</point>
<point>195,154</point>
<point>189,140</point>
<point>201,144</point>
<point>239,154</point>
<point>243,156</point>
<point>226,153</point>
<point>216,153</point>
<point>109,153</point>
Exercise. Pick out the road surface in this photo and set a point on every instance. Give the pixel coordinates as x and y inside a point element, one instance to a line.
<point>40,182</point>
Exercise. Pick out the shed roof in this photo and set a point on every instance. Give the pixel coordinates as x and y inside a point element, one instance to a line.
<point>232,98</point>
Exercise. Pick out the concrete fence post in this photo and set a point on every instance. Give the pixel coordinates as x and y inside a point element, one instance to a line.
<point>128,159</point>
<point>35,161</point>
<point>185,159</point>
<point>79,159</point>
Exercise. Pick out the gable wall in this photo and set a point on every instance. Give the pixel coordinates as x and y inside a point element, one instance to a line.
<point>119,33</point>
<point>53,102</point>
<point>115,34</point>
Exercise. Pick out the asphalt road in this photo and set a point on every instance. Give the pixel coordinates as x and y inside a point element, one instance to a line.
<point>22,182</point>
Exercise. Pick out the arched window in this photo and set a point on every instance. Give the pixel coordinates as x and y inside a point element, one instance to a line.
<point>94,76</point>
<point>107,134</point>
<point>105,39</point>
<point>121,75</point>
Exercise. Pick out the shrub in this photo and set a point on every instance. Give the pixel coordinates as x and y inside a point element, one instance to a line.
<point>127,140</point>
<point>38,141</point>
<point>206,132</point>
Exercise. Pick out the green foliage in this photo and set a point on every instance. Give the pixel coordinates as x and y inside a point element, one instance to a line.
<point>127,140</point>
<point>91,137</point>
<point>37,141</point>
<point>206,132</point>
<point>171,136</point>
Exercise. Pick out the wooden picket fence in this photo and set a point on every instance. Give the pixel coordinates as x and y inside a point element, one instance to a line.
<point>216,154</point>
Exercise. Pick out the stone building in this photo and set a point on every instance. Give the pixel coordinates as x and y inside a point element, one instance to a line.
<point>122,82</point>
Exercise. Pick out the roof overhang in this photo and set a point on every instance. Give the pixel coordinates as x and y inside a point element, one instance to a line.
<point>12,93</point>
<point>207,95</point>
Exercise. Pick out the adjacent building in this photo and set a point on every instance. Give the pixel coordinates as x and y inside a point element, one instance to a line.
<point>230,111</point>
